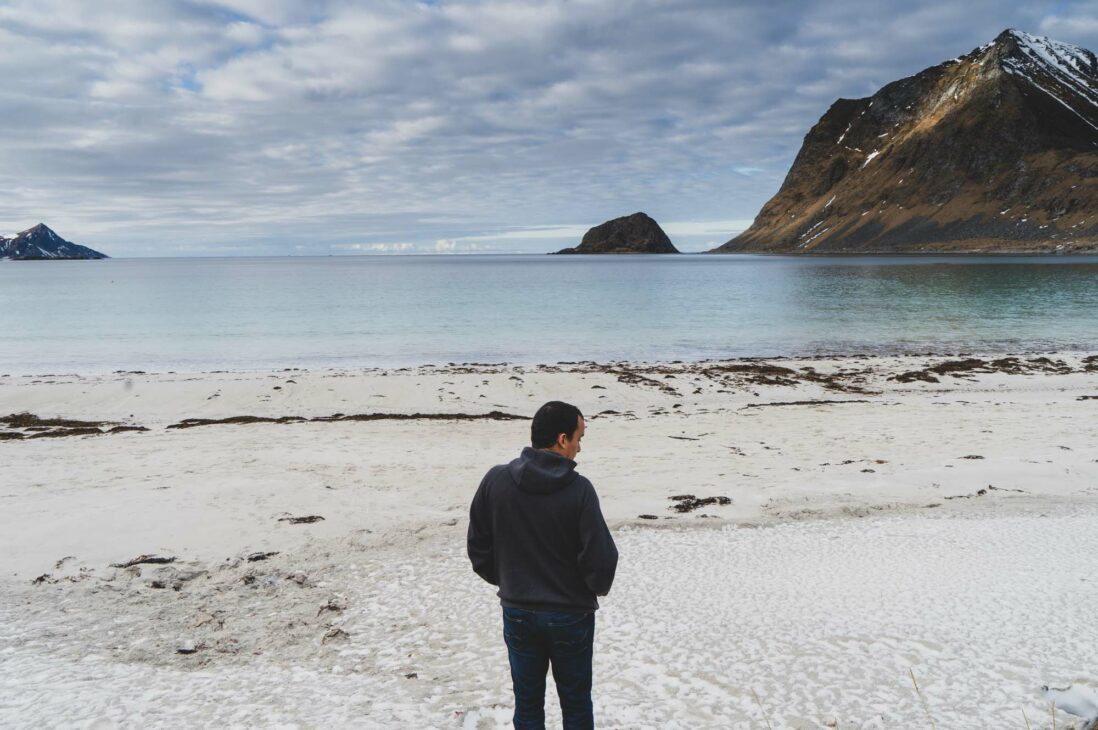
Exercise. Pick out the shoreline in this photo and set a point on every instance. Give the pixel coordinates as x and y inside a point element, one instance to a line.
<point>1081,351</point>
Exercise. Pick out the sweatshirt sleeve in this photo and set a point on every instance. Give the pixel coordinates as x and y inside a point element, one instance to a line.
<point>598,557</point>
<point>480,544</point>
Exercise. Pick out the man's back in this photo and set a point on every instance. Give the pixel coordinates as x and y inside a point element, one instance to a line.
<point>536,530</point>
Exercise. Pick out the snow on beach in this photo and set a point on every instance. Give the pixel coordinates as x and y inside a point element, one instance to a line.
<point>887,517</point>
<point>823,621</point>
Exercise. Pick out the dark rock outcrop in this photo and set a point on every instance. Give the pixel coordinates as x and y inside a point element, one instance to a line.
<point>635,233</point>
<point>42,243</point>
<point>995,151</point>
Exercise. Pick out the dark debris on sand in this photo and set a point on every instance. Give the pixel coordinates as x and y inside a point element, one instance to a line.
<point>490,416</point>
<point>737,374</point>
<point>973,365</point>
<point>805,403</point>
<point>145,559</point>
<point>30,426</point>
<point>689,503</point>
<point>305,520</point>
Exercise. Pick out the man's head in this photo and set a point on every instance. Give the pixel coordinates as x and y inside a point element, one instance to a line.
<point>558,427</point>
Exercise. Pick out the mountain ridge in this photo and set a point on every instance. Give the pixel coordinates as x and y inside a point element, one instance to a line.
<point>995,151</point>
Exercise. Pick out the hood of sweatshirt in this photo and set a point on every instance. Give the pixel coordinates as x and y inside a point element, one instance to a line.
<point>537,471</point>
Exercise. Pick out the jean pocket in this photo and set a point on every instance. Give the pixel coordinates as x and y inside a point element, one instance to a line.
<point>571,634</point>
<point>565,619</point>
<point>518,633</point>
<point>572,640</point>
<point>517,615</point>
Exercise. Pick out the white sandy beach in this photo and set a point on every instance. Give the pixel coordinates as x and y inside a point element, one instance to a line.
<point>877,528</point>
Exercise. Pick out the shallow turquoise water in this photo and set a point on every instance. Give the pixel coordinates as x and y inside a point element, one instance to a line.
<point>212,313</point>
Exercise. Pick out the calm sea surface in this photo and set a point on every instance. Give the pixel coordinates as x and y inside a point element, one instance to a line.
<point>248,313</point>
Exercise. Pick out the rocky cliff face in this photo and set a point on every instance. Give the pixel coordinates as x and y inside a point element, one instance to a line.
<point>635,233</point>
<point>42,243</point>
<point>995,151</point>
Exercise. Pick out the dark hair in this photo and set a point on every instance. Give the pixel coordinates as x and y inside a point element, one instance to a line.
<point>551,420</point>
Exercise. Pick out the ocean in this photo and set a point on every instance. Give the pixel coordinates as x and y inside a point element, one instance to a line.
<point>193,314</point>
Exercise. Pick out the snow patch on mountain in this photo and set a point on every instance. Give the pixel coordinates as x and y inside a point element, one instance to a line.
<point>1074,69</point>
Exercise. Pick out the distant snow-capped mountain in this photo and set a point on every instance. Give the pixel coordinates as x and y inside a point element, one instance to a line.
<point>42,243</point>
<point>994,151</point>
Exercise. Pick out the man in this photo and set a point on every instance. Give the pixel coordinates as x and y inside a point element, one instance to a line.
<point>536,531</point>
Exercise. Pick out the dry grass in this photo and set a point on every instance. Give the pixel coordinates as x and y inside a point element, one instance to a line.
<point>922,699</point>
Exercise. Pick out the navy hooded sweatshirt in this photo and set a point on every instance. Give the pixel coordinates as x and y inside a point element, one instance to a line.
<point>536,531</point>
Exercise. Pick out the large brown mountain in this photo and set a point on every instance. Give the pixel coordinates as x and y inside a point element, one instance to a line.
<point>995,151</point>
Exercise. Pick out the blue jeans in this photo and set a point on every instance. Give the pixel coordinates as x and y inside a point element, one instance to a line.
<point>534,640</point>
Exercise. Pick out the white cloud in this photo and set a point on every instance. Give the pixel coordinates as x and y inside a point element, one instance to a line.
<point>247,34</point>
<point>376,247</point>
<point>530,234</point>
<point>402,131</point>
<point>706,228</point>
<point>284,123</point>
<point>1080,24</point>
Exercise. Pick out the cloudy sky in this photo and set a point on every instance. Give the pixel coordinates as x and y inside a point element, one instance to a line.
<point>169,128</point>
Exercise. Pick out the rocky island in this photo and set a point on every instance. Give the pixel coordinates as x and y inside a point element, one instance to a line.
<point>41,243</point>
<point>635,233</point>
<point>992,152</point>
